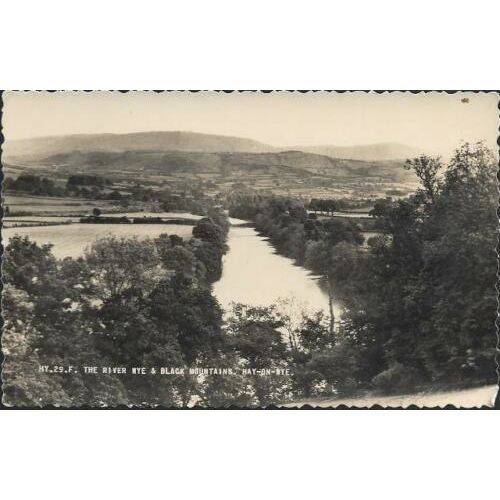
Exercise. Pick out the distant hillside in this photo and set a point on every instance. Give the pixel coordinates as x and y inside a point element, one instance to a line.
<point>195,142</point>
<point>368,152</point>
<point>295,163</point>
<point>152,141</point>
<point>184,152</point>
<point>171,162</point>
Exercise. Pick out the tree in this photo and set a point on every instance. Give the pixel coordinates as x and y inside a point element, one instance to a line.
<point>45,317</point>
<point>23,383</point>
<point>97,212</point>
<point>426,169</point>
<point>337,367</point>
<point>192,312</point>
<point>425,299</point>
<point>125,303</point>
<point>221,391</point>
<point>208,231</point>
<point>253,336</point>
<point>123,266</point>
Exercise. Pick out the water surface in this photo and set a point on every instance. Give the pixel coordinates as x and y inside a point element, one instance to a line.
<point>253,273</point>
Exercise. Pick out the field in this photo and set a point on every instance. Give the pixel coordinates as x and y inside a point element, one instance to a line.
<point>62,218</point>
<point>171,215</point>
<point>46,205</point>
<point>291,173</point>
<point>71,240</point>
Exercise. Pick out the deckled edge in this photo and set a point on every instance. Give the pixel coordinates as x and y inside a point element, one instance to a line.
<point>2,358</point>
<point>496,399</point>
<point>495,403</point>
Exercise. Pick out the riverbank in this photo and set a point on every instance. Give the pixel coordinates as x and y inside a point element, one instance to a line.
<point>475,397</point>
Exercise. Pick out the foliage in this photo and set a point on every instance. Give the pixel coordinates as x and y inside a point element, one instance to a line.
<point>425,297</point>
<point>126,303</point>
<point>33,184</point>
<point>294,233</point>
<point>419,300</point>
<point>87,180</point>
<point>396,378</point>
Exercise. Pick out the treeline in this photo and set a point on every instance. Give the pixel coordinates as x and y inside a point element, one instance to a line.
<point>293,231</point>
<point>34,185</point>
<point>420,301</point>
<point>323,205</point>
<point>87,180</point>
<point>189,198</point>
<point>84,186</point>
<point>100,219</point>
<point>330,205</point>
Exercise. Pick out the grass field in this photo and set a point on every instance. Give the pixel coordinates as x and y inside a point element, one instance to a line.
<point>71,240</point>
<point>42,205</point>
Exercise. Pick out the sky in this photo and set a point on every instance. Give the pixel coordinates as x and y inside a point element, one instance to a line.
<point>433,122</point>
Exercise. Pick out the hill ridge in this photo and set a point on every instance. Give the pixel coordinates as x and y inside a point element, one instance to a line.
<point>148,140</point>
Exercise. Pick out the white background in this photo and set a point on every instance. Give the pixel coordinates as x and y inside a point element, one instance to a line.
<point>248,454</point>
<point>313,44</point>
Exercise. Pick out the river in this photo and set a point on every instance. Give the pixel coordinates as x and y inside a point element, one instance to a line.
<point>253,273</point>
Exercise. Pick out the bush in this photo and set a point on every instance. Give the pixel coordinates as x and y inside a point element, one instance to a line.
<point>397,377</point>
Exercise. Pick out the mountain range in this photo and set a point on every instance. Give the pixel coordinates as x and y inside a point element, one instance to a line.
<point>196,142</point>
<point>184,152</point>
<point>140,141</point>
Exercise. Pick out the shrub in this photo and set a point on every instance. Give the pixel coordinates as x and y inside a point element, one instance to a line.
<point>397,377</point>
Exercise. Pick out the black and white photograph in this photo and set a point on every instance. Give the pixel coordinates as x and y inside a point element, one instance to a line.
<point>212,290</point>
<point>249,249</point>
